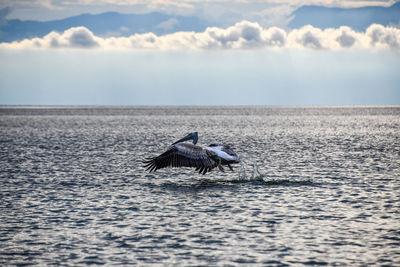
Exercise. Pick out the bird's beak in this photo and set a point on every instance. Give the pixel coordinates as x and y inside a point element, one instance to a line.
<point>187,137</point>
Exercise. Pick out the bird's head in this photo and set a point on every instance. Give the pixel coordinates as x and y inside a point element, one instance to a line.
<point>192,136</point>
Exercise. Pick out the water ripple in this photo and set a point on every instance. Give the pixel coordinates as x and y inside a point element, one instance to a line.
<point>319,186</point>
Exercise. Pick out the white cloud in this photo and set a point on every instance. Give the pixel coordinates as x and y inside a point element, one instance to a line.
<point>341,38</point>
<point>77,37</point>
<point>168,25</point>
<point>242,35</point>
<point>384,36</point>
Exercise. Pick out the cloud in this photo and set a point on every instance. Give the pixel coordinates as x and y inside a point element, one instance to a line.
<point>344,37</point>
<point>77,37</point>
<point>168,25</point>
<point>242,35</point>
<point>384,36</point>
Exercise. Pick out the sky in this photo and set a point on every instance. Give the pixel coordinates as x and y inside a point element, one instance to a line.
<point>246,62</point>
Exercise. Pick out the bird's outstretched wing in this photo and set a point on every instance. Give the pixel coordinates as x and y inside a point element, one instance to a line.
<point>183,155</point>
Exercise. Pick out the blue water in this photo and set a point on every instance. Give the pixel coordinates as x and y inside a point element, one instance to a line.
<point>318,186</point>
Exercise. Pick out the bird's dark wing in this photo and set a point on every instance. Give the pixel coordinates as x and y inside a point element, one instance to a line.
<point>183,155</point>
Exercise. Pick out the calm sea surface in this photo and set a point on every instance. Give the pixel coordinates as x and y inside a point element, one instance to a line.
<point>318,186</point>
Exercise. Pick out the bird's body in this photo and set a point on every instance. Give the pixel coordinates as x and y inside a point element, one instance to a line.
<point>204,159</point>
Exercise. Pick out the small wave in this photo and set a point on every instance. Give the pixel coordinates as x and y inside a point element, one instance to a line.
<point>256,180</point>
<point>259,180</point>
<point>247,174</point>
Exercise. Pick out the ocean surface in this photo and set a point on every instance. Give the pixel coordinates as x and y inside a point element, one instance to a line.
<point>317,186</point>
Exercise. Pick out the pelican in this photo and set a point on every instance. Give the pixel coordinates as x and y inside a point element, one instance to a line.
<point>204,159</point>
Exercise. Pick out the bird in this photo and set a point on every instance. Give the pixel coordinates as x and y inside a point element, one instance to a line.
<point>183,154</point>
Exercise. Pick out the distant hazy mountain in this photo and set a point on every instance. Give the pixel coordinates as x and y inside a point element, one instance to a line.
<point>356,18</point>
<point>105,24</point>
<point>117,24</point>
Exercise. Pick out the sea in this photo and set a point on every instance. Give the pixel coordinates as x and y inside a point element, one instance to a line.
<point>316,186</point>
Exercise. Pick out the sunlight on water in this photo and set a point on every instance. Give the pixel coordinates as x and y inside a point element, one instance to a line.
<point>316,186</point>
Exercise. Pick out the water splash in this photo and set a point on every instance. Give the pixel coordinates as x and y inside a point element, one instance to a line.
<point>249,173</point>
<point>244,173</point>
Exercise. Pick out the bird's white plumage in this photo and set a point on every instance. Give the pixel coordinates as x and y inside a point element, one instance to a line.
<point>218,150</point>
